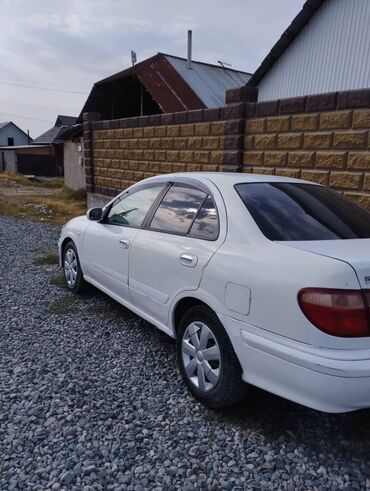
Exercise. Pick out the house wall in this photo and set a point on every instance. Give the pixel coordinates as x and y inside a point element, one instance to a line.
<point>74,170</point>
<point>329,54</point>
<point>8,162</point>
<point>322,138</point>
<point>13,132</point>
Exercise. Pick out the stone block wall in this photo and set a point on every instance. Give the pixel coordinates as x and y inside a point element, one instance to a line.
<point>121,152</point>
<point>127,155</point>
<point>323,138</point>
<point>331,147</point>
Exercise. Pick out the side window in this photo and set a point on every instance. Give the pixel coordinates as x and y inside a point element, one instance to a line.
<point>131,210</point>
<point>177,210</point>
<point>205,225</point>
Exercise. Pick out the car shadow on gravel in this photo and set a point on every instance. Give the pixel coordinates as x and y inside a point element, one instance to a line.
<point>338,436</point>
<point>94,301</point>
<point>342,436</point>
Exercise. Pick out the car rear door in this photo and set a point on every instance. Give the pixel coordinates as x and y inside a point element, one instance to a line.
<point>169,255</point>
<point>106,244</point>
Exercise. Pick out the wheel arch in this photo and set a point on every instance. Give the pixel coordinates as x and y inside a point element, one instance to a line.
<point>182,306</point>
<point>69,238</point>
<point>65,242</point>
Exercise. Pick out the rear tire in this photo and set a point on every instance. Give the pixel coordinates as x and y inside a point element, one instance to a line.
<point>72,272</point>
<point>207,360</point>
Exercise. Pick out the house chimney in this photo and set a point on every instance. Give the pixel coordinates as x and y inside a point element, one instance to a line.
<point>188,63</point>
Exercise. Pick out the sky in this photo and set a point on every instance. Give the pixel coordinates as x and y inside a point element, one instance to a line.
<point>52,52</point>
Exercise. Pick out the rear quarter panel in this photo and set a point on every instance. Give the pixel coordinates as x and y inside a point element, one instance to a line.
<point>275,274</point>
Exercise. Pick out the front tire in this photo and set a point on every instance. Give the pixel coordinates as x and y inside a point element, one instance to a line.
<point>72,272</point>
<point>207,360</point>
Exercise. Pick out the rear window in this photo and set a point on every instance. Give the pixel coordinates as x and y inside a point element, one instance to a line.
<point>177,210</point>
<point>205,225</point>
<point>298,211</point>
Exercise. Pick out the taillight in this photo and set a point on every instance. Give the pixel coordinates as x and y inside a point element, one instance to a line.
<point>343,313</point>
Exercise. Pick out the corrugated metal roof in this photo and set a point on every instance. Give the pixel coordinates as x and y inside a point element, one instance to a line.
<point>170,83</point>
<point>209,82</point>
<point>168,87</point>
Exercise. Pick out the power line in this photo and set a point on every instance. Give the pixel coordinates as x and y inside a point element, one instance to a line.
<point>17,80</point>
<point>43,88</point>
<point>26,117</point>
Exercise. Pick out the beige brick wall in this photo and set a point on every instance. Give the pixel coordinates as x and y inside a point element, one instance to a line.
<point>125,156</point>
<point>331,148</point>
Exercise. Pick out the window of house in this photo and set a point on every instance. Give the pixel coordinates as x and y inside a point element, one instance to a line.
<point>10,141</point>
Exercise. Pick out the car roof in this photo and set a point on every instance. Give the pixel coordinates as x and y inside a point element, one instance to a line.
<point>229,178</point>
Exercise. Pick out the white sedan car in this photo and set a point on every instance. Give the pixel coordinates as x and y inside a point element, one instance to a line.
<point>262,280</point>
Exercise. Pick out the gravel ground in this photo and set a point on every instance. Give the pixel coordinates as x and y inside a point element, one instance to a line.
<point>90,398</point>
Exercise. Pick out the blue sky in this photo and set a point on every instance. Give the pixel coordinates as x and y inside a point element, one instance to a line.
<point>50,46</point>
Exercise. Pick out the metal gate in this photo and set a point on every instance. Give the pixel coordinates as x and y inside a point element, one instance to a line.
<point>38,165</point>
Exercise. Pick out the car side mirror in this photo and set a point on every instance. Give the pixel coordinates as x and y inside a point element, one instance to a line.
<point>95,214</point>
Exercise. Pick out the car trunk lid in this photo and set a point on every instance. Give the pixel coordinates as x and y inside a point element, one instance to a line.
<point>355,252</point>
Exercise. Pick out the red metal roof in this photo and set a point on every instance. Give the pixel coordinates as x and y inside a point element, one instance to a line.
<point>167,86</point>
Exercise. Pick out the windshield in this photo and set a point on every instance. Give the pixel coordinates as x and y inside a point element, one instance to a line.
<point>297,211</point>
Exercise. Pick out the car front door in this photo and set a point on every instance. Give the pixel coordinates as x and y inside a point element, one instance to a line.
<point>107,244</point>
<point>170,254</point>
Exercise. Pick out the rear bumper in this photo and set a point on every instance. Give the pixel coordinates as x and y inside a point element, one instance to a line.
<point>329,380</point>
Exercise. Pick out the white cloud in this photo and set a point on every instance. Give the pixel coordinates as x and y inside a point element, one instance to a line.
<point>75,43</point>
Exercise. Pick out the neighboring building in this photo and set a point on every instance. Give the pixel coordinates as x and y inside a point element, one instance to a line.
<point>73,150</point>
<point>53,138</point>
<point>325,49</point>
<point>38,160</point>
<point>162,84</point>
<point>11,135</point>
<point>41,157</point>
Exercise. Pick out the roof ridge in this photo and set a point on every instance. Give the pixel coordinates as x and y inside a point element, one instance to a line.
<point>204,63</point>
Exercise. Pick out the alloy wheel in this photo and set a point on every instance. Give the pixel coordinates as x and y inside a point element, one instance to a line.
<point>201,356</point>
<point>70,267</point>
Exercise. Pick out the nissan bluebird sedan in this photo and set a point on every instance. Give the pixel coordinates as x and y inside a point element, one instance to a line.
<point>262,280</point>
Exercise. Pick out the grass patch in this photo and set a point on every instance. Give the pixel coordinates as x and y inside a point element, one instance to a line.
<point>57,280</point>
<point>57,208</point>
<point>92,302</point>
<point>62,206</point>
<point>10,208</point>
<point>17,180</point>
<point>48,257</point>
<point>71,194</point>
<point>110,309</point>
<point>65,305</point>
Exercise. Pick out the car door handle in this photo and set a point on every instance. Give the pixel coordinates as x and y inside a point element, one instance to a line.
<point>188,260</point>
<point>125,243</point>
